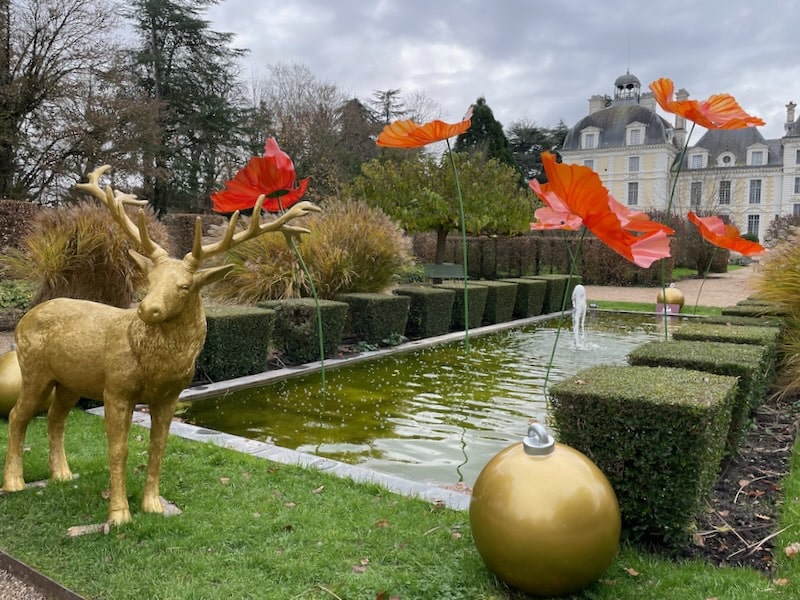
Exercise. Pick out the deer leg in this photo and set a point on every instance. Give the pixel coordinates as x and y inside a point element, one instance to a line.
<point>118,413</point>
<point>161,414</point>
<point>25,408</point>
<point>57,415</point>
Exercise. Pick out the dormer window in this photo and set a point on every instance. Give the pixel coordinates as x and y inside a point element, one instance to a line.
<point>757,155</point>
<point>590,138</point>
<point>696,161</point>
<point>634,134</point>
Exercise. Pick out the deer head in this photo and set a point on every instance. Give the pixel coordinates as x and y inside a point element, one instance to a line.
<point>173,282</point>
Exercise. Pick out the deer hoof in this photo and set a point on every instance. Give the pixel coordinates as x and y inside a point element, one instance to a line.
<point>152,504</point>
<point>119,517</point>
<point>13,484</point>
<point>61,475</point>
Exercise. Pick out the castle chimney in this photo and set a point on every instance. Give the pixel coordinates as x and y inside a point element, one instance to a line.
<point>789,115</point>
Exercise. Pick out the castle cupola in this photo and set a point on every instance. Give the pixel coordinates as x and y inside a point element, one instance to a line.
<point>627,89</point>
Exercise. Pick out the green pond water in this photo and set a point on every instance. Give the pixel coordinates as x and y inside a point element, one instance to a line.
<point>437,414</point>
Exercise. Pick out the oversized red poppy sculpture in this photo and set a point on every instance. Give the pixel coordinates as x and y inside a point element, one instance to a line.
<point>408,134</point>
<point>271,175</point>
<point>724,235</point>
<point>720,111</point>
<point>575,196</point>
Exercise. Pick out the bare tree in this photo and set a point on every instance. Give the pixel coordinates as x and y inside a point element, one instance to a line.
<point>48,48</point>
<point>303,113</point>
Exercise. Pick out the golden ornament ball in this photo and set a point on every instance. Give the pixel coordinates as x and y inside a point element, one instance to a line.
<point>10,382</point>
<point>673,296</point>
<point>544,518</point>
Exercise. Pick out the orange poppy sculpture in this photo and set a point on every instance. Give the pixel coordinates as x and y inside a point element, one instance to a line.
<point>724,235</point>
<point>408,134</point>
<point>720,111</point>
<point>575,195</point>
<point>271,175</point>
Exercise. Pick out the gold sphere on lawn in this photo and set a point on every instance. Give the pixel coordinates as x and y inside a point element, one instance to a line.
<point>544,518</point>
<point>673,296</point>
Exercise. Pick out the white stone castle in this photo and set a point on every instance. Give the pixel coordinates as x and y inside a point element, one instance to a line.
<point>736,173</point>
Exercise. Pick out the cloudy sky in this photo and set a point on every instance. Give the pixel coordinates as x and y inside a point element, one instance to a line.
<point>532,60</point>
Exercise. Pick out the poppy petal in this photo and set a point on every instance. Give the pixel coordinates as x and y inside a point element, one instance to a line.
<point>715,231</point>
<point>408,134</point>
<point>547,218</point>
<point>720,111</point>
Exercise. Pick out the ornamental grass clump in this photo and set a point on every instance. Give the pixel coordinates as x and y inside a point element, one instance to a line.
<point>351,248</point>
<point>78,252</point>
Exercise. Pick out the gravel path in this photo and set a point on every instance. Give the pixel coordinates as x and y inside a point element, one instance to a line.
<point>719,289</point>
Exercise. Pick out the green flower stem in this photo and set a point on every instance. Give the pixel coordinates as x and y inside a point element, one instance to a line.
<point>668,217</point>
<point>463,245</point>
<point>319,312</point>
<point>573,259</point>
<point>703,282</point>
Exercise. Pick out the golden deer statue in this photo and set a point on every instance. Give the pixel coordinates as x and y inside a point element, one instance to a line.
<point>122,357</point>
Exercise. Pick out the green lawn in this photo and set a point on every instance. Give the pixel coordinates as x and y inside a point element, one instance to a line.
<point>254,529</point>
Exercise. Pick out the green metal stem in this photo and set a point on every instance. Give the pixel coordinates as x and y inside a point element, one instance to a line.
<point>463,245</point>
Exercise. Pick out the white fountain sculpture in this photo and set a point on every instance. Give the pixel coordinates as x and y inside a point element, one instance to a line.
<point>578,312</point>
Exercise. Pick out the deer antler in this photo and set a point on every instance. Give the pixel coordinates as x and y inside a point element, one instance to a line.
<point>115,201</point>
<point>255,228</point>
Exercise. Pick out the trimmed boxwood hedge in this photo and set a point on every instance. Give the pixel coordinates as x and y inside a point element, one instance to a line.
<point>375,317</point>
<point>296,335</point>
<point>500,300</point>
<point>238,341</point>
<point>430,311</point>
<point>558,292</point>
<point>476,296</point>
<point>751,364</point>
<point>658,434</point>
<point>530,296</point>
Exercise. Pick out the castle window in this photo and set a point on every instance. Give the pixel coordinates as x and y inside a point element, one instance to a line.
<point>797,157</point>
<point>633,193</point>
<point>635,137</point>
<point>696,161</point>
<point>725,191</point>
<point>752,225</point>
<point>797,185</point>
<point>633,164</point>
<point>696,194</point>
<point>589,141</point>
<point>589,162</point>
<point>796,210</point>
<point>755,191</point>
<point>757,158</point>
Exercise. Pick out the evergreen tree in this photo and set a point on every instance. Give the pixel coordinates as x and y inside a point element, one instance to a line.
<point>487,137</point>
<point>190,70</point>
<point>527,141</point>
<point>358,130</point>
<point>387,106</point>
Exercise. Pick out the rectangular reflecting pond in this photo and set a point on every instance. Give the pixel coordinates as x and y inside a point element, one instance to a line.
<point>432,415</point>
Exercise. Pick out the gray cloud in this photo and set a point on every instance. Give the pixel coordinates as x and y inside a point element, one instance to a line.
<point>531,60</point>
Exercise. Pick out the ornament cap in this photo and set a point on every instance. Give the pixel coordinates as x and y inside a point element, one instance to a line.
<point>538,442</point>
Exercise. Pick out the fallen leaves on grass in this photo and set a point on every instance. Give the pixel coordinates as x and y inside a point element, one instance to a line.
<point>792,549</point>
<point>361,567</point>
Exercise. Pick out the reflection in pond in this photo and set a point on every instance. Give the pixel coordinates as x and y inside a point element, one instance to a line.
<point>437,414</point>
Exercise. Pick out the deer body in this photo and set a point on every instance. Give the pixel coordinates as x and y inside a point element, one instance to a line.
<point>121,357</point>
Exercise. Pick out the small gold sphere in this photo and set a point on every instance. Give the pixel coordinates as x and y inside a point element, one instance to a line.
<point>673,296</point>
<point>10,383</point>
<point>547,525</point>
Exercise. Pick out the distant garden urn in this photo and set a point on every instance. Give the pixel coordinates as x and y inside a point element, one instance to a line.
<point>670,295</point>
<point>544,518</point>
